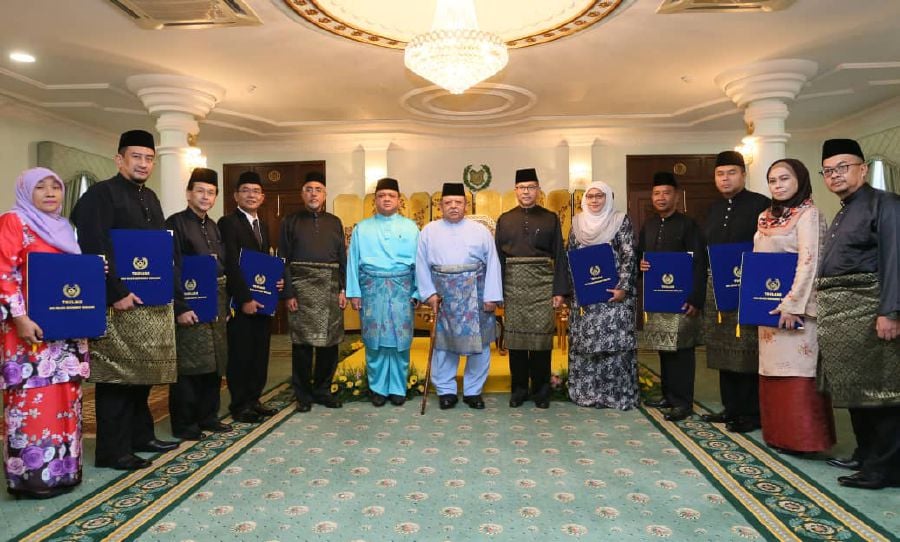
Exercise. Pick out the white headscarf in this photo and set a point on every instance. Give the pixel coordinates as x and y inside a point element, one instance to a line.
<point>600,227</point>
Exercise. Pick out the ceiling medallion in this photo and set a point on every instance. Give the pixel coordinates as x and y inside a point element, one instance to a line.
<point>368,22</point>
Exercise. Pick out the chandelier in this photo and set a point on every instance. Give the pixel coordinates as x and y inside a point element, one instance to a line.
<point>456,54</point>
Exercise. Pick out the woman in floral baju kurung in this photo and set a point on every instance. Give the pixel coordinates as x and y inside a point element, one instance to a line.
<point>602,344</point>
<point>41,381</point>
<point>795,417</point>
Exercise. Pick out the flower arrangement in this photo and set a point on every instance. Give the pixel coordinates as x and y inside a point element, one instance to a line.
<point>352,384</point>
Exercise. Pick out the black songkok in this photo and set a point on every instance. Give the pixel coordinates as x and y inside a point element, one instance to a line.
<point>453,189</point>
<point>526,176</point>
<point>841,146</point>
<point>248,177</point>
<point>203,175</point>
<point>731,158</point>
<point>664,178</point>
<point>314,177</point>
<point>387,184</point>
<point>136,138</point>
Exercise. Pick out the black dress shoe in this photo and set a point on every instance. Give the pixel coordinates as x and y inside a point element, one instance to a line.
<point>474,401</point>
<point>378,399</point>
<point>303,406</point>
<point>215,426</point>
<point>517,398</point>
<point>126,462</point>
<point>447,401</point>
<point>157,445</point>
<point>247,416</point>
<point>848,463</point>
<point>189,434</point>
<point>742,425</point>
<point>863,480</point>
<point>717,417</point>
<point>662,402</point>
<point>542,403</point>
<point>264,411</point>
<point>678,413</point>
<point>329,402</point>
<point>397,400</point>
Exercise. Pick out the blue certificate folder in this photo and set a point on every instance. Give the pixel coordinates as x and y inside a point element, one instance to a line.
<point>67,295</point>
<point>144,262</point>
<point>261,272</point>
<point>198,282</point>
<point>765,280</point>
<point>669,281</point>
<point>593,271</point>
<point>725,264</point>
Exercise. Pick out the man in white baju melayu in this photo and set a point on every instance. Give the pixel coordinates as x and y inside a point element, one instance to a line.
<point>457,268</point>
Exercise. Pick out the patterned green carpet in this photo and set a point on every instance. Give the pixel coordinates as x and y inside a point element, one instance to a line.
<point>362,473</point>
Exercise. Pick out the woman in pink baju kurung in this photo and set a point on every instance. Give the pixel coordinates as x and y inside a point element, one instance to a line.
<point>795,417</point>
<point>41,381</point>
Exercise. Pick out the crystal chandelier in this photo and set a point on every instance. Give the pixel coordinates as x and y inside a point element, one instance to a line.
<point>456,54</point>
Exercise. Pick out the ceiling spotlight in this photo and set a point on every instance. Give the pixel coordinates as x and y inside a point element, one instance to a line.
<point>19,56</point>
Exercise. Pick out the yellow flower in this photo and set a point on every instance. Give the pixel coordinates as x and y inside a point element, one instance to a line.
<point>358,383</point>
<point>334,388</point>
<point>355,392</point>
<point>356,345</point>
<point>413,379</point>
<point>421,389</point>
<point>342,378</point>
<point>349,384</point>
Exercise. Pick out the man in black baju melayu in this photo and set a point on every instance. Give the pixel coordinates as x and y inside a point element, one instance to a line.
<point>139,350</point>
<point>529,239</point>
<point>859,302</point>
<point>733,219</point>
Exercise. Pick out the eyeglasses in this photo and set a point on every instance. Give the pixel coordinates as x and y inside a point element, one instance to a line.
<point>839,169</point>
<point>254,191</point>
<point>595,197</point>
<point>530,188</point>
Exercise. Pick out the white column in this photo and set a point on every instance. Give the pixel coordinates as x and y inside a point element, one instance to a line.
<point>762,90</point>
<point>376,161</point>
<point>177,102</point>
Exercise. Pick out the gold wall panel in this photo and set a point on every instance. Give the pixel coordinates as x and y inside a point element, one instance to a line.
<point>560,202</point>
<point>420,208</point>
<point>489,202</point>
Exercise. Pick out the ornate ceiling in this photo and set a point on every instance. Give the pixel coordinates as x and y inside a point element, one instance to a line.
<point>521,23</point>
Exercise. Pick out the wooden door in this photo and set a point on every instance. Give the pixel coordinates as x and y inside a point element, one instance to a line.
<point>697,190</point>
<point>281,185</point>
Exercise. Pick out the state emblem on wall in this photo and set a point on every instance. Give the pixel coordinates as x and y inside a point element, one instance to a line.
<point>477,179</point>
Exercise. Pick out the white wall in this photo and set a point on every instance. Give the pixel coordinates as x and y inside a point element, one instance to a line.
<point>20,131</point>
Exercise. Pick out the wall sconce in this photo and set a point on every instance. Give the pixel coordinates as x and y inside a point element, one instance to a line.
<point>579,176</point>
<point>193,156</point>
<point>747,148</point>
<point>373,174</point>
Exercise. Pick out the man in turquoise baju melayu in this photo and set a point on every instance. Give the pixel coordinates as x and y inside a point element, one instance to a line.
<point>381,285</point>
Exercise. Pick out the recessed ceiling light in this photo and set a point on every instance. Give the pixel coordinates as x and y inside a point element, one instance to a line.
<point>19,56</point>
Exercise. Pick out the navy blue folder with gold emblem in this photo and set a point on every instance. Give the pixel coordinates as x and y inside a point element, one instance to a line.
<point>593,272</point>
<point>725,265</point>
<point>766,278</point>
<point>669,281</point>
<point>67,295</point>
<point>144,262</point>
<point>198,282</point>
<point>261,272</point>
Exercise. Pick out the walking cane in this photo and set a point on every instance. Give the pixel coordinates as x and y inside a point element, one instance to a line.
<point>430,355</point>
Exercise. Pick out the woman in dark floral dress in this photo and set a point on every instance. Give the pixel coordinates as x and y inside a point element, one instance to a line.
<point>41,381</point>
<point>602,345</point>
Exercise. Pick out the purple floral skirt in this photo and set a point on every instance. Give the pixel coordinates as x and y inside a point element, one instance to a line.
<point>42,438</point>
